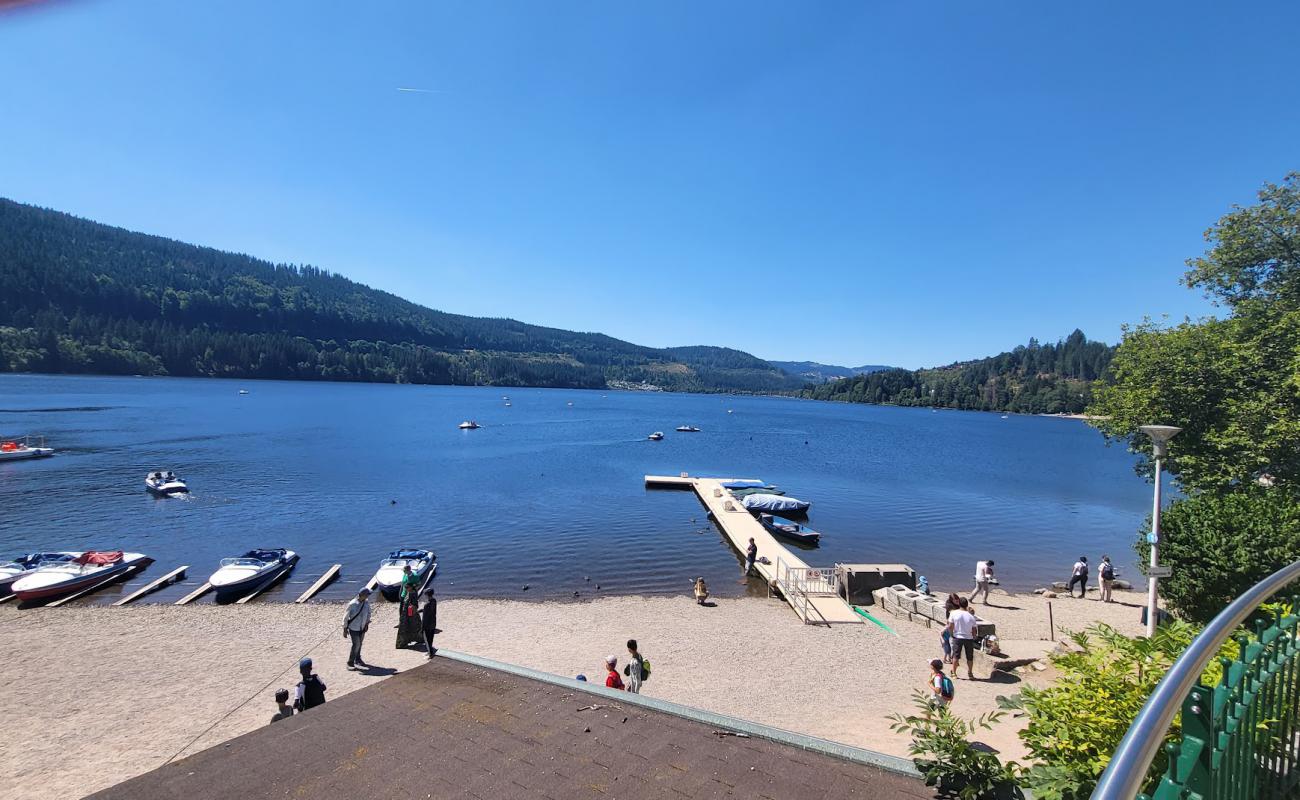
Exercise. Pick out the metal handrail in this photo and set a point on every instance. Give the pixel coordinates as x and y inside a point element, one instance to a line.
<point>1128,768</point>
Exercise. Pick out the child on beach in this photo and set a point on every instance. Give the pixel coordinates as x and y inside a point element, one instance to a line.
<point>701,591</point>
<point>941,686</point>
<point>611,674</point>
<point>636,668</point>
<point>283,709</point>
<point>311,689</point>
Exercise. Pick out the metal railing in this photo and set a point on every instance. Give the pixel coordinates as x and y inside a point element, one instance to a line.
<point>1241,738</point>
<point>801,584</point>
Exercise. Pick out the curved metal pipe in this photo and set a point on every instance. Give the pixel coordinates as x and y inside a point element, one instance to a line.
<point>1123,777</point>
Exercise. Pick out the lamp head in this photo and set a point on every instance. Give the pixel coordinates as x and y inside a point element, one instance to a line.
<point>1160,436</point>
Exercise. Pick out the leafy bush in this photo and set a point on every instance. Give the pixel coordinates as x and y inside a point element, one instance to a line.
<point>943,751</point>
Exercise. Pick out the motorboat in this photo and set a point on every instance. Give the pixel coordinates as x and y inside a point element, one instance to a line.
<point>90,569</point>
<point>388,579</point>
<point>656,436</point>
<point>243,391</point>
<point>775,503</point>
<point>755,490</point>
<point>746,483</point>
<point>164,483</point>
<point>11,571</point>
<point>789,530</point>
<point>469,425</point>
<point>687,429</point>
<point>238,576</point>
<point>17,450</point>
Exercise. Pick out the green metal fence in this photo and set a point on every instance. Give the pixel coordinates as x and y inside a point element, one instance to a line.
<point>1240,739</point>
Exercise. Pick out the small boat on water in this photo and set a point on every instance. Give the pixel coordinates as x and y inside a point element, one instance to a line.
<point>162,483</point>
<point>744,483</point>
<point>17,450</point>
<point>656,436</point>
<point>243,391</point>
<point>11,571</point>
<point>236,577</point>
<point>775,504</point>
<point>388,579</point>
<point>87,570</point>
<point>687,429</point>
<point>755,490</point>
<point>469,425</point>
<point>789,530</point>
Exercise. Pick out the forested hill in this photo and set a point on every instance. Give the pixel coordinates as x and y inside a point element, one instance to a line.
<point>78,296</point>
<point>1032,379</point>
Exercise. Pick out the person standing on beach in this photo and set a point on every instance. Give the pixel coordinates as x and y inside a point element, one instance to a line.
<point>611,673</point>
<point>635,668</point>
<point>429,620</point>
<point>356,620</point>
<point>283,709</point>
<point>311,689</point>
<point>963,624</point>
<point>983,580</point>
<point>1107,574</point>
<point>751,555</point>
<point>1079,576</point>
<point>941,689</point>
<point>945,639</point>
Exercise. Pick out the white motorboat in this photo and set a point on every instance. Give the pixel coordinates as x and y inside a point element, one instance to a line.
<point>243,391</point>
<point>240,575</point>
<point>164,483</point>
<point>388,579</point>
<point>91,568</point>
<point>16,449</point>
<point>687,429</point>
<point>656,436</point>
<point>469,425</point>
<point>22,565</point>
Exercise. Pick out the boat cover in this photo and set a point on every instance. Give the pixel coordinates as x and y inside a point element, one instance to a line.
<point>98,558</point>
<point>265,555</point>
<point>409,553</point>
<point>774,502</point>
<point>746,484</point>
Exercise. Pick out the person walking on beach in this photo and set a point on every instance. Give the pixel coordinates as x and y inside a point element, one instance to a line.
<point>311,689</point>
<point>1079,576</point>
<point>942,690</point>
<point>612,680</point>
<point>945,638</point>
<point>751,555</point>
<point>962,624</point>
<point>282,708</point>
<point>356,621</point>
<point>429,621</point>
<point>635,669</point>
<point>983,580</point>
<point>1107,574</point>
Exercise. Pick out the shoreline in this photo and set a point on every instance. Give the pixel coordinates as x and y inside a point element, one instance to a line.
<point>119,691</point>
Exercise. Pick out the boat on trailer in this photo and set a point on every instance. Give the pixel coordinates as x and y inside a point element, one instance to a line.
<point>87,570</point>
<point>775,504</point>
<point>164,483</point>
<point>237,576</point>
<point>27,447</point>
<point>789,530</point>
<point>388,578</point>
<point>11,571</point>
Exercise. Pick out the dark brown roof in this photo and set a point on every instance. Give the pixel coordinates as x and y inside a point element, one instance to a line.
<point>455,730</point>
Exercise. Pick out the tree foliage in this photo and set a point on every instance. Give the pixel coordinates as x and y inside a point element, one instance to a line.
<point>945,751</point>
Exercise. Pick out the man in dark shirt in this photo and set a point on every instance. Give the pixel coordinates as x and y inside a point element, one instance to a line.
<point>429,620</point>
<point>311,689</point>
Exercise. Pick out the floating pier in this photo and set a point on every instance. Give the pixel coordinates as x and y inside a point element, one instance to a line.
<point>195,595</point>
<point>808,590</point>
<point>330,574</point>
<point>175,574</point>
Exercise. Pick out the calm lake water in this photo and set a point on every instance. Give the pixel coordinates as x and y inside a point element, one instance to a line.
<point>550,491</point>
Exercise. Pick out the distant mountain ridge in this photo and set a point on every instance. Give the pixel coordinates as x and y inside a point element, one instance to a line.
<point>813,372</point>
<point>80,296</point>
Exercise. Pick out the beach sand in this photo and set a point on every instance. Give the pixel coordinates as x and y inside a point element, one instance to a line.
<point>94,695</point>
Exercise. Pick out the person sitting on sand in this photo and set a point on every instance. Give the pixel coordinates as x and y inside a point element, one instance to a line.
<point>311,689</point>
<point>701,591</point>
<point>612,680</point>
<point>283,709</point>
<point>941,686</point>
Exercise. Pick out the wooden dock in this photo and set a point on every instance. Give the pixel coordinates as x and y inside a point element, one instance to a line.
<point>195,595</point>
<point>738,525</point>
<point>330,574</point>
<point>175,574</point>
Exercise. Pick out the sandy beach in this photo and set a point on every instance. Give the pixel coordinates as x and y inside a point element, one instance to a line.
<point>101,694</point>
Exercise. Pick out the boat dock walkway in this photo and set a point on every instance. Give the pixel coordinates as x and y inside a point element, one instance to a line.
<point>802,586</point>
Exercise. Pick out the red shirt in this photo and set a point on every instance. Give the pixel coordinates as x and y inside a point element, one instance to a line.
<point>613,681</point>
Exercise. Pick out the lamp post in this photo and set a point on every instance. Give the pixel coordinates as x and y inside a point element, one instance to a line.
<point>1160,436</point>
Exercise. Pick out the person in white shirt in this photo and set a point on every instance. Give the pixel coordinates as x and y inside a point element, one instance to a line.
<point>941,688</point>
<point>356,620</point>
<point>1079,576</point>
<point>983,579</point>
<point>963,624</point>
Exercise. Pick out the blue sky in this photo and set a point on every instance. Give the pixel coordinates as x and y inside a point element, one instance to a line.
<point>850,182</point>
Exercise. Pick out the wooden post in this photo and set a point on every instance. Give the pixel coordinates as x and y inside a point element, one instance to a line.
<point>179,572</point>
<point>194,595</point>
<point>1051,624</point>
<point>330,574</point>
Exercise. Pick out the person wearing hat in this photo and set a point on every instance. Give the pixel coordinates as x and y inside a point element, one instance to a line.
<point>311,689</point>
<point>356,621</point>
<point>612,680</point>
<point>429,620</point>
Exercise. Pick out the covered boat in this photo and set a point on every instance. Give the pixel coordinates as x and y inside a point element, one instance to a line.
<point>755,490</point>
<point>11,571</point>
<point>745,483</point>
<point>790,530</point>
<point>775,503</point>
<point>91,568</point>
<point>687,429</point>
<point>164,484</point>
<point>240,575</point>
<point>15,450</point>
<point>388,579</point>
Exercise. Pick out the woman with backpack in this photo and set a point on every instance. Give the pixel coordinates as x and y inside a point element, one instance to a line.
<point>1107,574</point>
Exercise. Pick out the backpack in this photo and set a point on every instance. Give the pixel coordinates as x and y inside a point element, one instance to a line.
<point>313,693</point>
<point>1108,571</point>
<point>946,689</point>
<point>645,669</point>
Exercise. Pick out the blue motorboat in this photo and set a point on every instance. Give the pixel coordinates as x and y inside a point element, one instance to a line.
<point>790,530</point>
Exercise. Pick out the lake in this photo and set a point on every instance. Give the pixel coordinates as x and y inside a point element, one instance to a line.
<point>550,492</point>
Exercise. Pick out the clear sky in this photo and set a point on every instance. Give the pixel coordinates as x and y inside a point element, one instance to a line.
<point>852,182</point>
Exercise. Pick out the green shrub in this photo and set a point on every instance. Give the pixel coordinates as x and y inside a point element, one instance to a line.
<point>943,750</point>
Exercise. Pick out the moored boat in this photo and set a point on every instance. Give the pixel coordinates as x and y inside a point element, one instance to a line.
<point>775,503</point>
<point>19,449</point>
<point>656,436</point>
<point>11,571</point>
<point>469,425</point>
<point>238,576</point>
<point>388,578</point>
<point>755,490</point>
<point>164,483</point>
<point>87,570</point>
<point>789,530</point>
<point>687,429</point>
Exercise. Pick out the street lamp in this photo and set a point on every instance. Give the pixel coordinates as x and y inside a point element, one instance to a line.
<point>1160,436</point>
